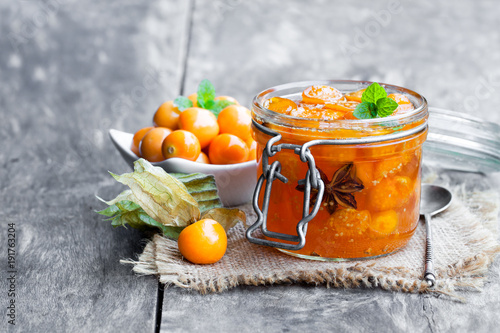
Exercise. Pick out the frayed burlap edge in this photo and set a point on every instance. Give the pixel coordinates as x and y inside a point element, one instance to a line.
<point>466,273</point>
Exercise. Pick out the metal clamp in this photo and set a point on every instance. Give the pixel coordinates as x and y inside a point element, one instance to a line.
<point>312,180</point>
<point>269,174</point>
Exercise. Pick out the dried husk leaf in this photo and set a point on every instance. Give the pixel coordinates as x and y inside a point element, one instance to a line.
<point>164,198</point>
<point>125,212</point>
<point>227,217</point>
<point>168,202</point>
<point>203,189</point>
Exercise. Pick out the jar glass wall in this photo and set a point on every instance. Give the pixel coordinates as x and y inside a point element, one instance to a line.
<point>353,222</point>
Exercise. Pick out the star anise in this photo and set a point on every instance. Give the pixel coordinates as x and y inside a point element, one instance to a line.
<point>338,191</point>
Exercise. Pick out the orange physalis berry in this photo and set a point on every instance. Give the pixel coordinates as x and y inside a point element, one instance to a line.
<point>227,98</point>
<point>182,144</point>
<point>167,116</point>
<point>194,99</point>
<point>201,123</point>
<point>136,141</point>
<point>150,146</point>
<point>203,242</point>
<point>203,158</point>
<point>236,120</point>
<point>252,146</point>
<point>228,149</point>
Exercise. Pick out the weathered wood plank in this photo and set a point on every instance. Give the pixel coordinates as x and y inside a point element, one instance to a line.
<point>245,47</point>
<point>293,308</point>
<point>75,71</point>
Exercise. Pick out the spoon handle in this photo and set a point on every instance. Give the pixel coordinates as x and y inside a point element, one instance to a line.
<point>429,263</point>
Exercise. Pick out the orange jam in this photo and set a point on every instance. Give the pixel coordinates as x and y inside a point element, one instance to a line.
<point>370,205</point>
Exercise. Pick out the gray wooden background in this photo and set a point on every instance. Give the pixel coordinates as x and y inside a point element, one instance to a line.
<point>70,70</point>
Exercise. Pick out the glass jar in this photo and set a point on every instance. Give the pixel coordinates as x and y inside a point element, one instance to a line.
<point>337,189</point>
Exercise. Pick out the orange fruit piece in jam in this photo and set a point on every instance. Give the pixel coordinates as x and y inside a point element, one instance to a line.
<point>305,110</point>
<point>349,222</point>
<point>343,106</point>
<point>320,94</point>
<point>403,102</point>
<point>333,115</point>
<point>399,98</point>
<point>355,96</point>
<point>280,105</point>
<point>390,193</point>
<point>384,223</point>
<point>313,111</point>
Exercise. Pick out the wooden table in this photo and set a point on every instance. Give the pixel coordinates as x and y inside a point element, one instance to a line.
<point>71,70</point>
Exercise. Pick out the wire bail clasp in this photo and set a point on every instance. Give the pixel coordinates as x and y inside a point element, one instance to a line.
<point>272,172</point>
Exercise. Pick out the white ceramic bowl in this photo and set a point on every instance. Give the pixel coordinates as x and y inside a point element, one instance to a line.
<point>235,182</point>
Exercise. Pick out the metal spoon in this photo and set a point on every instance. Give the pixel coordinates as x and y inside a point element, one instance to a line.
<point>433,200</point>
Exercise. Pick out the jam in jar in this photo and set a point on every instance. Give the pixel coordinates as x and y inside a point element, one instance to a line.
<point>368,203</point>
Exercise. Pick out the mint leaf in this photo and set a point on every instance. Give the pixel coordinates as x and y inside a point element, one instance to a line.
<point>386,106</point>
<point>206,93</point>
<point>182,103</point>
<point>373,93</point>
<point>375,103</point>
<point>365,110</point>
<point>209,105</point>
<point>206,98</point>
<point>222,104</point>
<point>217,106</point>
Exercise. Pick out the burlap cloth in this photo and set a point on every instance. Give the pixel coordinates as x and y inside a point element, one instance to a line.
<point>465,244</point>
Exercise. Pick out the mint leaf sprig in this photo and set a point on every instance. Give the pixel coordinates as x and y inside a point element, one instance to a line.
<point>375,103</point>
<point>205,100</point>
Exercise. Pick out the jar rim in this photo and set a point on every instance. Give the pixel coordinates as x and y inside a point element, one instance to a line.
<point>418,114</point>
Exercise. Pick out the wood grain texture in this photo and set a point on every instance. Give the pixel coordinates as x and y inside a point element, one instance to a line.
<point>294,308</point>
<point>447,51</point>
<point>72,70</point>
<point>433,48</point>
<point>87,68</point>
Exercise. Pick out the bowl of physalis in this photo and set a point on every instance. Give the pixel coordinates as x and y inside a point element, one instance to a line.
<point>201,133</point>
